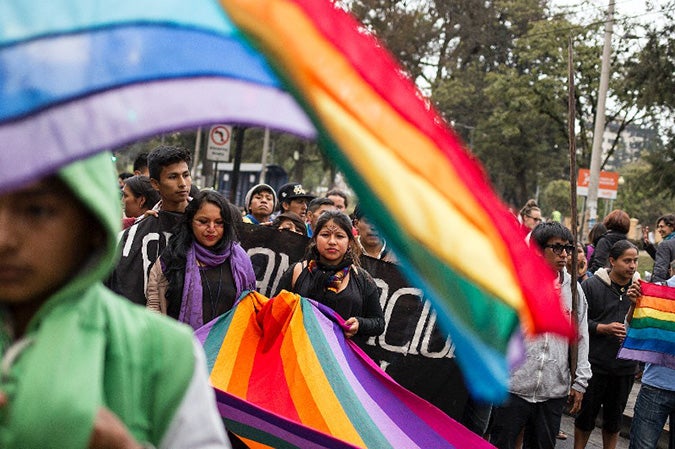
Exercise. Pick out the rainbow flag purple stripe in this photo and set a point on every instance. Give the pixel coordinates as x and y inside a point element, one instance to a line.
<point>294,362</point>
<point>651,335</point>
<point>78,78</point>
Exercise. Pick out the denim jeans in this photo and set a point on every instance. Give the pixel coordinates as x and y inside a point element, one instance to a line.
<point>652,408</point>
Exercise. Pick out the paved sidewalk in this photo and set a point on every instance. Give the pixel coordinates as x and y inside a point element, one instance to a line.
<point>595,441</point>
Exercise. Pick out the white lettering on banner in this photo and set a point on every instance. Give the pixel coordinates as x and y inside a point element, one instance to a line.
<point>388,312</point>
<point>282,267</point>
<point>263,285</point>
<point>130,240</point>
<point>447,351</point>
<point>150,237</point>
<point>420,334</point>
<point>420,341</point>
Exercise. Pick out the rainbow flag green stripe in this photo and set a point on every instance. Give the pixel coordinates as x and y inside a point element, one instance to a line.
<point>302,66</point>
<point>651,335</point>
<point>294,364</point>
<point>429,197</point>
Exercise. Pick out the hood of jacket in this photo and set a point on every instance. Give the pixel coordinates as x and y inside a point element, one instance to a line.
<point>603,275</point>
<point>93,182</point>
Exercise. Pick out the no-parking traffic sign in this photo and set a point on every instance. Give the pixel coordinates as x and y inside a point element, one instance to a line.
<point>218,148</point>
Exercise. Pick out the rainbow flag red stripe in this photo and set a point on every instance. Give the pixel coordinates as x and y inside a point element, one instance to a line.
<point>651,335</point>
<point>416,181</point>
<point>304,66</point>
<point>288,357</point>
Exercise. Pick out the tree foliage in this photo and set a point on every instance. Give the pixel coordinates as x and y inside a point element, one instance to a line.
<point>497,71</point>
<point>643,200</point>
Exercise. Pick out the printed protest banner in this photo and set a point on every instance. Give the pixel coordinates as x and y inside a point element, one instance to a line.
<point>412,350</point>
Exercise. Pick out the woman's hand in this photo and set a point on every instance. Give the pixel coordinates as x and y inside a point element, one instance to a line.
<point>353,327</point>
<point>645,235</point>
<point>111,433</point>
<point>634,292</point>
<point>615,329</point>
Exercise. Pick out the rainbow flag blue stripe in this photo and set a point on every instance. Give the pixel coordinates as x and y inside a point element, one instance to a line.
<point>79,78</point>
<point>651,335</point>
<point>292,360</point>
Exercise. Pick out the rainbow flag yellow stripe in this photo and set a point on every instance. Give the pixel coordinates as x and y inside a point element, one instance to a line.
<point>417,183</point>
<point>651,335</point>
<point>297,373</point>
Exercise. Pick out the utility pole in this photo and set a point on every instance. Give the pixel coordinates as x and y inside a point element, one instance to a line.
<point>571,102</point>
<point>596,154</point>
<point>263,159</point>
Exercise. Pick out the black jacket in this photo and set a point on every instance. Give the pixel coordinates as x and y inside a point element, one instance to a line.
<point>360,299</point>
<point>600,256</point>
<point>606,304</point>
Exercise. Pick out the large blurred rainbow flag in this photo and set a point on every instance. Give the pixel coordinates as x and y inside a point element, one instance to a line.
<point>80,76</point>
<point>288,356</point>
<point>651,335</point>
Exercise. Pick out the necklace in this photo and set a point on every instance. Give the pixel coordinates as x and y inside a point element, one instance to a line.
<point>214,303</point>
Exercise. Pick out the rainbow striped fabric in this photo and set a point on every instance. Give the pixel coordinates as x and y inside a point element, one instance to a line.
<point>79,77</point>
<point>651,335</point>
<point>288,357</point>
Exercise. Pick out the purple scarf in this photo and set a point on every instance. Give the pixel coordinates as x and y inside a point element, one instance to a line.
<point>192,300</point>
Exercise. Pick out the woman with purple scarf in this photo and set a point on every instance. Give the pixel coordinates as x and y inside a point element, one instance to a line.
<point>203,270</point>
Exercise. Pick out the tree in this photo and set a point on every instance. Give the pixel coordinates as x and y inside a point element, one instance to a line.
<point>643,200</point>
<point>556,196</point>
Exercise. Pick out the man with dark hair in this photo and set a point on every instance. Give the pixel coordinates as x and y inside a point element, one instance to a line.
<point>540,388</point>
<point>142,243</point>
<point>371,242</point>
<point>316,207</point>
<point>141,165</point>
<point>292,197</point>
<point>340,199</point>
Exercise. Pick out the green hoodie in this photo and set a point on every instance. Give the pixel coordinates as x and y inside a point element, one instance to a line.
<point>87,347</point>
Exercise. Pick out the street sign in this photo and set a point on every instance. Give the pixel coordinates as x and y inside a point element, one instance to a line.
<point>218,147</point>
<point>607,188</point>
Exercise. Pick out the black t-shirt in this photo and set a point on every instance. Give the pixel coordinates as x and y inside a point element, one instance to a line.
<point>218,291</point>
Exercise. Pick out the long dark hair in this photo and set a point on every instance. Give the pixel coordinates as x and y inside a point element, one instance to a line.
<point>141,186</point>
<point>345,223</point>
<point>174,256</point>
<point>619,248</point>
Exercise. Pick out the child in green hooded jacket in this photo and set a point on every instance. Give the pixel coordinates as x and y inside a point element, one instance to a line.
<point>81,366</point>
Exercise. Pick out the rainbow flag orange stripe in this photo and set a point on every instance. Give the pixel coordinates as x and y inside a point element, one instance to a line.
<point>416,181</point>
<point>295,365</point>
<point>303,66</point>
<point>651,335</point>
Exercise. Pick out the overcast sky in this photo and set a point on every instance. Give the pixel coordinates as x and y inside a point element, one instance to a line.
<point>643,11</point>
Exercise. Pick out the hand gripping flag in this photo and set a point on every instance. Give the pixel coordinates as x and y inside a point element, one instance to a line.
<point>288,357</point>
<point>651,334</point>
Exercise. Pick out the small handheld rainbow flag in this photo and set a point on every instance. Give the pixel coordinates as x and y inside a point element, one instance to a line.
<point>287,357</point>
<point>651,335</point>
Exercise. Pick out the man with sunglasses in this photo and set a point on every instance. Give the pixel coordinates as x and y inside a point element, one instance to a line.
<point>543,385</point>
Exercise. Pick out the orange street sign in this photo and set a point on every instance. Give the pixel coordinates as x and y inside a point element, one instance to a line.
<point>607,188</point>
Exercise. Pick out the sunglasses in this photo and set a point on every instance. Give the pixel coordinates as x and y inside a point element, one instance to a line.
<point>536,219</point>
<point>558,248</point>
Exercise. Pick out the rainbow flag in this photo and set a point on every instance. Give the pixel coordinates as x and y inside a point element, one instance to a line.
<point>651,335</point>
<point>288,356</point>
<point>79,77</point>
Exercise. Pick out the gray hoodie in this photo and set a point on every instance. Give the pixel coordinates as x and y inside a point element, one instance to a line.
<point>545,373</point>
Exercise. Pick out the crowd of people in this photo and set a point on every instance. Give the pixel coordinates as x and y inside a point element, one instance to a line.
<point>179,256</point>
<point>608,287</point>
